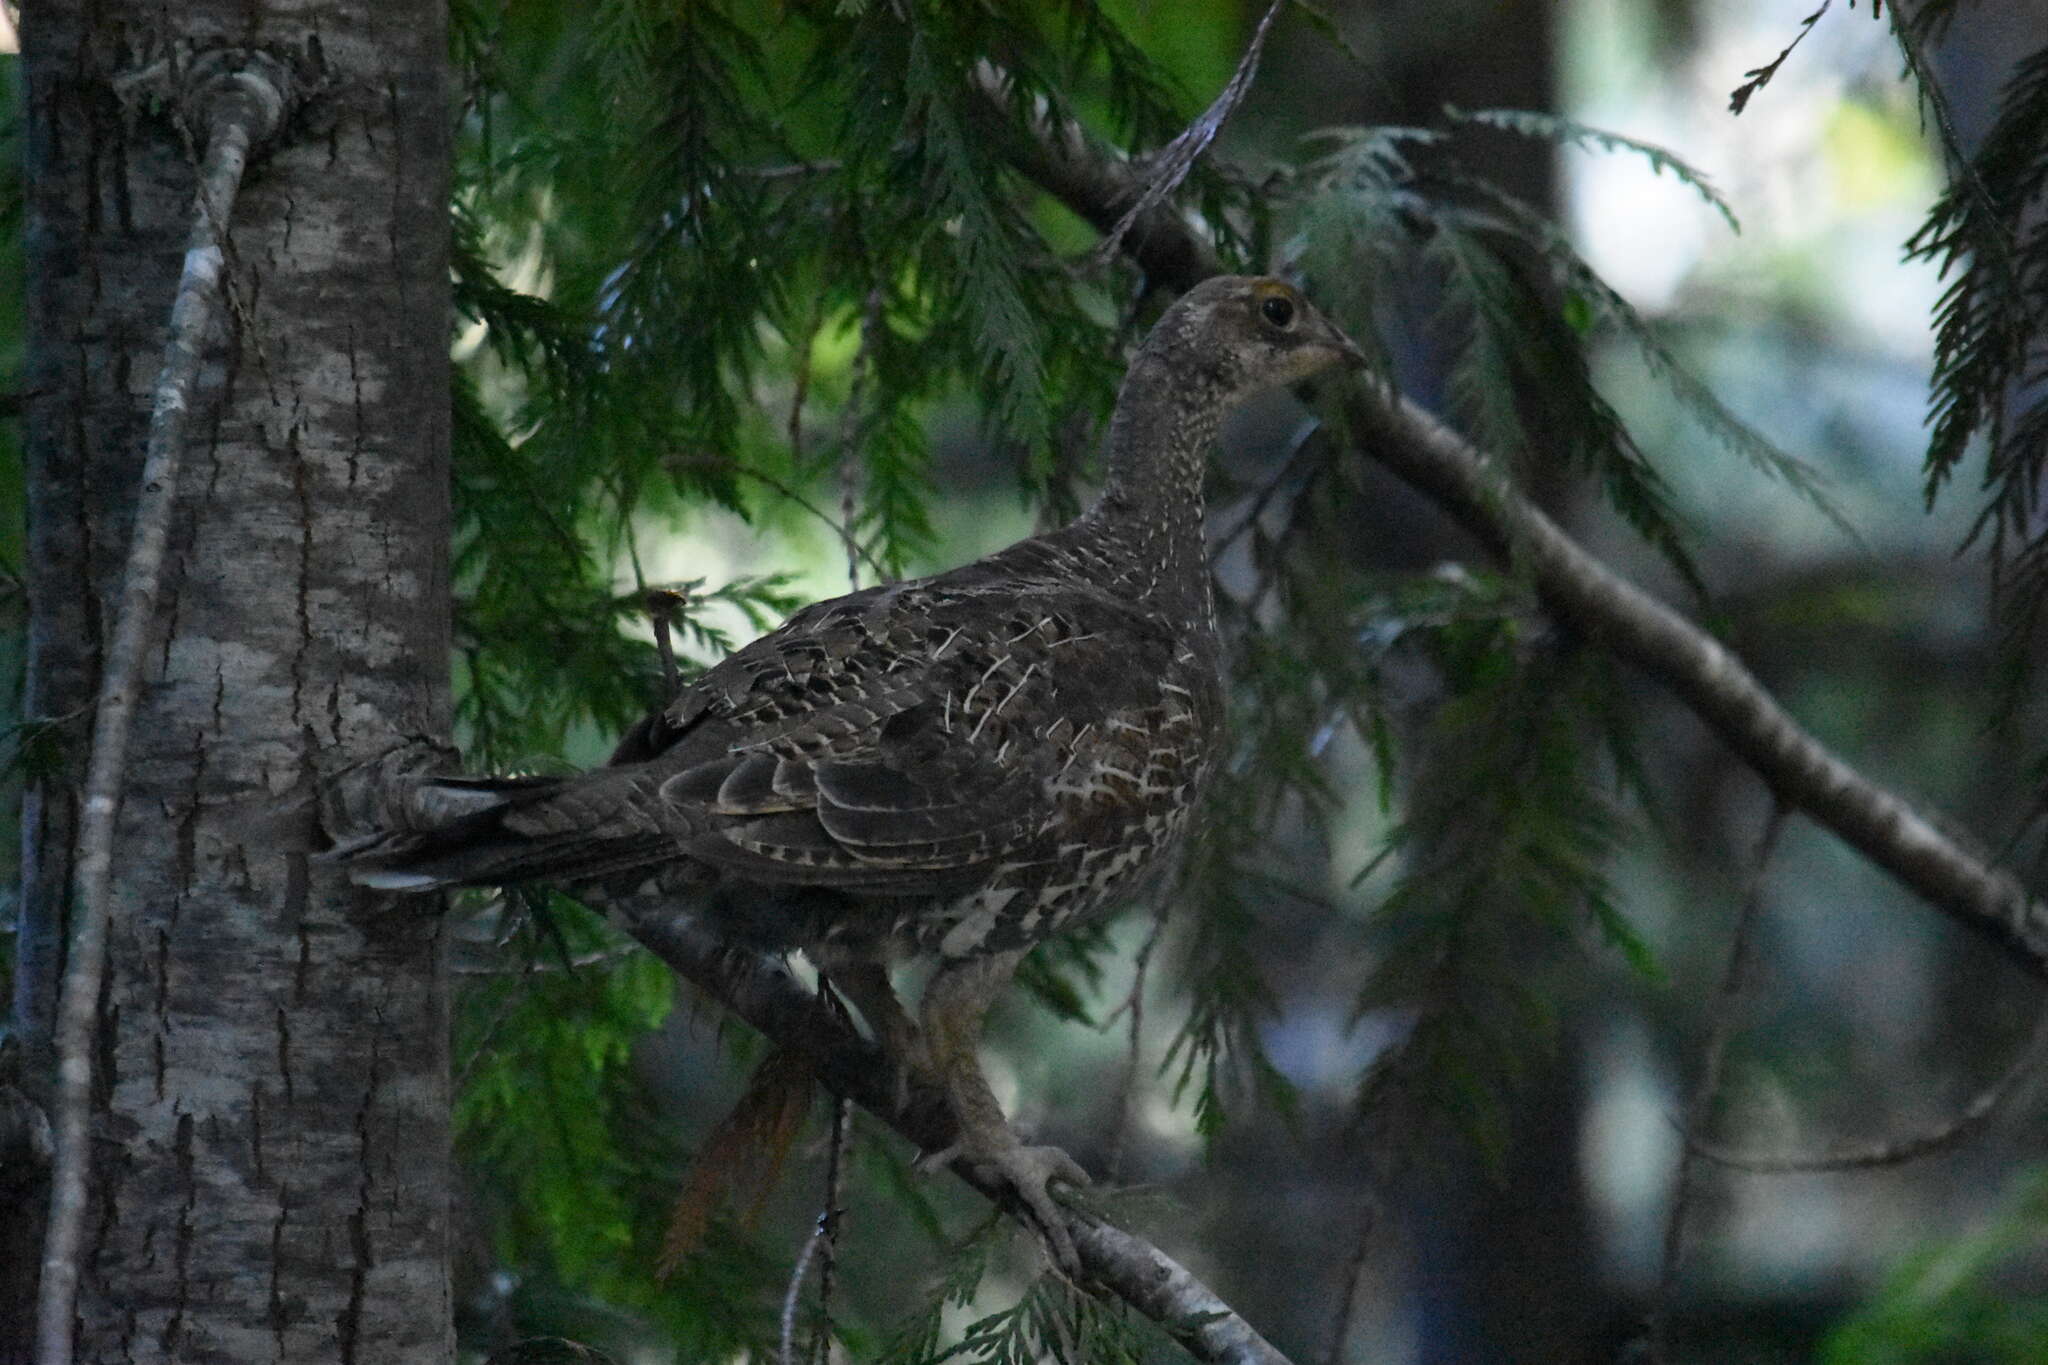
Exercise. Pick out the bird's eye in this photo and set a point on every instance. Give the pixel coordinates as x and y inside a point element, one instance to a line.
<point>1279,310</point>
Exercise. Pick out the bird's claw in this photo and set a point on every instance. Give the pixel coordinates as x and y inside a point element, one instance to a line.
<point>1029,1172</point>
<point>930,1162</point>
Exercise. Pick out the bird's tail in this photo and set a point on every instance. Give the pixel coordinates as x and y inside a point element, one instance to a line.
<point>487,831</point>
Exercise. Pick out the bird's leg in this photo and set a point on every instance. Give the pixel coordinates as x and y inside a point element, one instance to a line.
<point>954,1005</point>
<point>863,978</point>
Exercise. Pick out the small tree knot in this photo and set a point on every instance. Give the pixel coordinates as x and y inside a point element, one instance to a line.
<point>246,84</point>
<point>211,88</point>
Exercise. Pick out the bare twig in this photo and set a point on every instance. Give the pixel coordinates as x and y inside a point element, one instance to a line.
<point>1759,77</point>
<point>1166,170</point>
<point>1354,1271</point>
<point>805,350</point>
<point>238,100</point>
<point>1723,1012</point>
<point>1133,1004</point>
<point>849,434</point>
<point>803,503</point>
<point>1063,158</point>
<point>486,1040</point>
<point>829,1226</point>
<point>1298,452</point>
<point>1897,1151</point>
<point>662,604</point>
<point>597,957</point>
<point>793,1295</point>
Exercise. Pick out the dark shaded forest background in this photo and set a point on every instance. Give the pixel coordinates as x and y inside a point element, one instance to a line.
<point>1416,1046</point>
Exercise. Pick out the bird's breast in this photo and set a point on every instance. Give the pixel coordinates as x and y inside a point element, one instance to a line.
<point>1119,799</point>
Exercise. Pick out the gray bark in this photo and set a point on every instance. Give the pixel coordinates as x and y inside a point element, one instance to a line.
<point>270,1100</point>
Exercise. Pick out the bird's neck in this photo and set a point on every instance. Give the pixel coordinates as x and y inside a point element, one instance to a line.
<point>1148,519</point>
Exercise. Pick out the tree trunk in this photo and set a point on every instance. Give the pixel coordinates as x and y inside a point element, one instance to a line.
<point>270,1130</point>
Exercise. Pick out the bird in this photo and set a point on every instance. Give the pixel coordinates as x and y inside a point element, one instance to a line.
<point>957,766</point>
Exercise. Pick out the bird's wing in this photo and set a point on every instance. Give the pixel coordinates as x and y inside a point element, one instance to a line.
<point>903,739</point>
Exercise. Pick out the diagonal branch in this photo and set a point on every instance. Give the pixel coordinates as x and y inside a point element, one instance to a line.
<point>1065,160</point>
<point>760,990</point>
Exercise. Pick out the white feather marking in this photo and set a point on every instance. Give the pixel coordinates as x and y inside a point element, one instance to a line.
<point>976,925</point>
<point>997,709</point>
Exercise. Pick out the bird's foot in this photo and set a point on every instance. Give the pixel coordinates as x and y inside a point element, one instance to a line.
<point>911,1064</point>
<point>1029,1173</point>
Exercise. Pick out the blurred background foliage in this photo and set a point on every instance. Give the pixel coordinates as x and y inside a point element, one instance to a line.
<point>751,301</point>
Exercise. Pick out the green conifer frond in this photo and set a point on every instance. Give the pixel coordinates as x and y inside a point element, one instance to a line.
<point>1556,128</point>
<point>1502,853</point>
<point>549,1107</point>
<point>1522,379</point>
<point>1984,236</point>
<point>1582,283</point>
<point>1054,1321</point>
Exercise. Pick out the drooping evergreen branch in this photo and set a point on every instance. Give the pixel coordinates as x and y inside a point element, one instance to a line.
<point>760,990</point>
<point>1065,160</point>
<point>233,101</point>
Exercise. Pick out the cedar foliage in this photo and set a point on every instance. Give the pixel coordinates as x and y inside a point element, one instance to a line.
<point>817,248</point>
<point>770,252</point>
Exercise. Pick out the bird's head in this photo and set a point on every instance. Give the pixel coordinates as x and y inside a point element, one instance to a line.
<point>1244,333</point>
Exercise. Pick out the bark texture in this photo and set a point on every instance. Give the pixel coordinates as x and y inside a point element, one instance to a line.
<point>270,1128</point>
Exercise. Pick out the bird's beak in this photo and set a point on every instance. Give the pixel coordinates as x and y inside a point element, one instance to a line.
<point>1350,352</point>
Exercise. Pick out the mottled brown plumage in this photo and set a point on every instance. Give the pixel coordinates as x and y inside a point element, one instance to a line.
<point>963,764</point>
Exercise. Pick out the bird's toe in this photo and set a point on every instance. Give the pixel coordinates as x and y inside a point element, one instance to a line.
<point>1029,1172</point>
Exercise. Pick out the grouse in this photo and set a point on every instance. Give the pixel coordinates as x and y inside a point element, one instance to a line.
<point>959,765</point>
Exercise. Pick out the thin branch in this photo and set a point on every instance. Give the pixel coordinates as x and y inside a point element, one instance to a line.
<point>1704,674</point>
<point>784,490</point>
<point>829,1223</point>
<point>1354,1271</point>
<point>1133,1004</point>
<point>1971,1120</point>
<point>850,435</point>
<point>1064,159</point>
<point>597,957</point>
<point>1166,170</point>
<point>662,605</point>
<point>804,350</point>
<point>793,170</point>
<point>1299,453</point>
<point>1723,1013</point>
<point>239,101</point>
<point>793,1295</point>
<point>761,991</point>
<point>1761,76</point>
